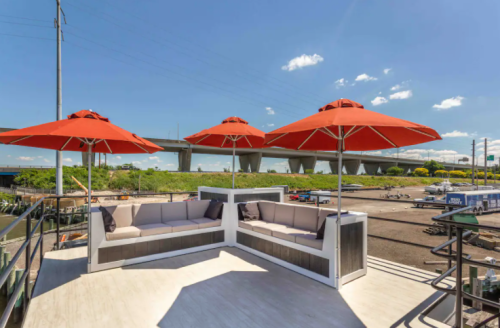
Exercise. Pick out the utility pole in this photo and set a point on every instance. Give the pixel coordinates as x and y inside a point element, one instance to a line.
<point>473,159</point>
<point>59,167</point>
<point>485,162</point>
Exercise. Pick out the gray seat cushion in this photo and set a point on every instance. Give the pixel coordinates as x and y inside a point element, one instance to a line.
<point>122,214</point>
<point>173,211</point>
<point>306,218</point>
<point>182,225</point>
<point>266,210</point>
<point>196,209</point>
<point>288,234</point>
<point>309,240</point>
<point>284,214</point>
<point>154,229</point>
<point>268,229</point>
<point>250,224</point>
<point>147,214</point>
<point>123,233</point>
<point>207,223</point>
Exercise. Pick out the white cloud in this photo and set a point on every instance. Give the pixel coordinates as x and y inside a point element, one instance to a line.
<point>78,163</point>
<point>170,164</point>
<point>46,160</point>
<point>445,152</point>
<point>341,83</point>
<point>302,61</point>
<point>67,160</point>
<point>374,153</point>
<point>401,95</point>
<point>118,157</point>
<point>379,101</point>
<point>9,156</point>
<point>270,111</point>
<point>387,70</point>
<point>396,87</point>
<point>270,124</point>
<point>136,163</point>
<point>25,158</point>
<point>455,134</point>
<point>449,103</point>
<point>365,77</point>
<point>154,158</point>
<point>40,156</point>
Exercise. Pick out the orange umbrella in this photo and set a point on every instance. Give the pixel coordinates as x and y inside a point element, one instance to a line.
<point>346,125</point>
<point>232,132</point>
<point>79,129</point>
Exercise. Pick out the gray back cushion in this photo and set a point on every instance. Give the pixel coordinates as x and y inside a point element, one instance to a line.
<point>306,218</point>
<point>122,214</point>
<point>267,210</point>
<point>284,214</point>
<point>147,214</point>
<point>196,209</point>
<point>323,213</point>
<point>173,211</point>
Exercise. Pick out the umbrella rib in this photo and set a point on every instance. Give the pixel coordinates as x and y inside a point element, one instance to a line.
<point>108,146</point>
<point>329,133</point>
<point>223,141</point>
<point>361,128</point>
<point>208,135</point>
<point>284,134</point>
<point>66,143</point>
<point>425,134</point>
<point>302,144</point>
<point>141,147</point>
<point>20,139</point>
<point>349,132</point>
<point>380,134</point>
<point>248,142</point>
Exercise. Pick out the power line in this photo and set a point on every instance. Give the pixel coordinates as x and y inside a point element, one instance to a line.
<point>26,36</point>
<point>172,45</point>
<point>32,19</point>
<point>4,22</point>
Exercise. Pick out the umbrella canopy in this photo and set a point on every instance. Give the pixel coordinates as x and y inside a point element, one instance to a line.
<point>346,125</point>
<point>83,127</point>
<point>233,132</point>
<point>359,128</point>
<point>72,134</point>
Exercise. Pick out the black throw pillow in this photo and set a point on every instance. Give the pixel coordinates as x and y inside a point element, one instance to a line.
<point>250,211</point>
<point>109,221</point>
<point>214,209</point>
<point>321,232</point>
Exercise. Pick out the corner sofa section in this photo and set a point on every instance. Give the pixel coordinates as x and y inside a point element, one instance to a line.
<point>151,231</point>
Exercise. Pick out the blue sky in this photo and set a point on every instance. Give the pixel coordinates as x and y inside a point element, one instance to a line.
<point>151,65</point>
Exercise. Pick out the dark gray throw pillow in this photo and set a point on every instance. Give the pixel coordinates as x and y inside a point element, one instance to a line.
<point>250,211</point>
<point>214,209</point>
<point>109,221</point>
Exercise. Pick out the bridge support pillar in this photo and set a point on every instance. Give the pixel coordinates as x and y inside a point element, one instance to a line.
<point>371,168</point>
<point>405,167</point>
<point>414,167</point>
<point>85,157</point>
<point>385,166</point>
<point>352,166</point>
<point>307,163</point>
<point>185,159</point>
<point>334,166</point>
<point>250,162</point>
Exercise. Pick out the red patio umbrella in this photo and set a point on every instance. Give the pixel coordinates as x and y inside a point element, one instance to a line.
<point>79,129</point>
<point>346,125</point>
<point>233,132</point>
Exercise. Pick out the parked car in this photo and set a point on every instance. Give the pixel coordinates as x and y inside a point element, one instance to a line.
<point>191,198</point>
<point>294,197</point>
<point>433,201</point>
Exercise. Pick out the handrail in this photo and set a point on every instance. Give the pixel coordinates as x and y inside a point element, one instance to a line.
<point>460,259</point>
<point>31,253</point>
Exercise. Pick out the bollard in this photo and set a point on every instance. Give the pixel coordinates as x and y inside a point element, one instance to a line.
<point>4,238</point>
<point>6,260</point>
<point>2,251</point>
<point>18,307</point>
<point>11,282</point>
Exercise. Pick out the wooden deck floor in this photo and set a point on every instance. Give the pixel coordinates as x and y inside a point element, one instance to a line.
<point>223,287</point>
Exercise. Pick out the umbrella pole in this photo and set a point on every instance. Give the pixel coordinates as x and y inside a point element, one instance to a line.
<point>89,204</point>
<point>339,207</point>
<point>234,154</point>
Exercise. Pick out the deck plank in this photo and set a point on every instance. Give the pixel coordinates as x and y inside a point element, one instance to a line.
<point>224,287</point>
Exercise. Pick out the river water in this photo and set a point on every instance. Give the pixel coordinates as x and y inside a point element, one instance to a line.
<point>20,229</point>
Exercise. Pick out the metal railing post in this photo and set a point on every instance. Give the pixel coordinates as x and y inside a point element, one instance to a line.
<point>27,266</point>
<point>458,286</point>
<point>58,218</point>
<point>450,251</point>
<point>41,232</point>
<point>171,198</point>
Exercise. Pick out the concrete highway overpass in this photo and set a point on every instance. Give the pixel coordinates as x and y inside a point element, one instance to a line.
<point>250,159</point>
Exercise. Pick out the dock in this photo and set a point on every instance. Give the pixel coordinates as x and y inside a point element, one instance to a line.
<point>223,287</point>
